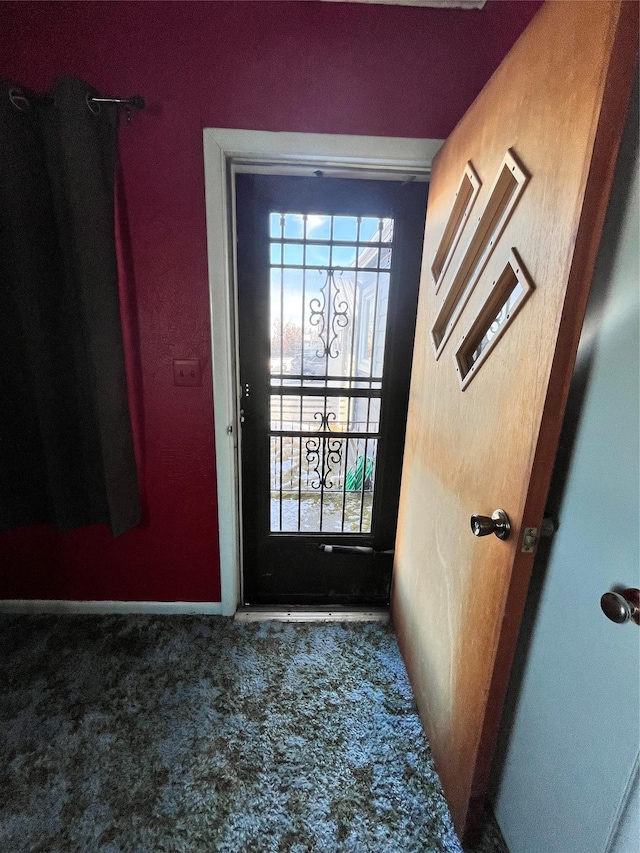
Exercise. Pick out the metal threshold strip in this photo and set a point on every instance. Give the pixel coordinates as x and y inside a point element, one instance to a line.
<point>312,614</point>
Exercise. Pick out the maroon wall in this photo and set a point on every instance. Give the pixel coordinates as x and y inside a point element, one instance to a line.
<point>298,66</point>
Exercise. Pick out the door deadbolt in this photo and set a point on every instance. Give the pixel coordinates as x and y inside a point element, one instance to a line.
<point>482,525</point>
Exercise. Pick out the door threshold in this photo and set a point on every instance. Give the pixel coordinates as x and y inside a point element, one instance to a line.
<point>312,614</point>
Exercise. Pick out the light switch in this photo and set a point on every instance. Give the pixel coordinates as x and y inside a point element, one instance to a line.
<point>187,371</point>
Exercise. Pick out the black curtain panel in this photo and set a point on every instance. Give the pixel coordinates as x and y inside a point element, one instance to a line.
<point>66,449</point>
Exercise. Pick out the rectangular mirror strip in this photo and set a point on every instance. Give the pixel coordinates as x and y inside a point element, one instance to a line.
<point>464,200</point>
<point>503,197</point>
<point>507,296</point>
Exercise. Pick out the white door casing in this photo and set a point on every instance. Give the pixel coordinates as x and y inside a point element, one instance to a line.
<point>227,152</point>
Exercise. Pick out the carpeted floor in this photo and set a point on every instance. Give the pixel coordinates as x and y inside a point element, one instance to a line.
<point>169,733</point>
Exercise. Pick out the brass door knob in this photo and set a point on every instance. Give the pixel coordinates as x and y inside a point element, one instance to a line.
<point>622,606</point>
<point>482,525</point>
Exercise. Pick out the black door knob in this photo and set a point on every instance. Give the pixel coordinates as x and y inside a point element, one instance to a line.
<point>482,525</point>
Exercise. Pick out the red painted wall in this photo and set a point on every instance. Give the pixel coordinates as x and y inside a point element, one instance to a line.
<point>298,66</point>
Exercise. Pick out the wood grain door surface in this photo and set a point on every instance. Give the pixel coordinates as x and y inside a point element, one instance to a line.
<point>515,212</point>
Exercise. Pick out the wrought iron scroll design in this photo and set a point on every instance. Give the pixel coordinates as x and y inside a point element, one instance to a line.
<point>329,315</point>
<point>325,420</point>
<point>324,456</point>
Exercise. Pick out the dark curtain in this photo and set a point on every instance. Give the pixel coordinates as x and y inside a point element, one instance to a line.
<point>66,451</point>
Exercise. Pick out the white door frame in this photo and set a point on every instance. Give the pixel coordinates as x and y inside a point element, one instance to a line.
<point>227,152</point>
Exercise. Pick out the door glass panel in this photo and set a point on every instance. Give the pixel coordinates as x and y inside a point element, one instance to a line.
<point>508,295</point>
<point>329,296</point>
<point>464,200</point>
<point>293,254</point>
<point>294,225</point>
<point>316,413</point>
<point>316,256</point>
<point>496,323</point>
<point>322,484</point>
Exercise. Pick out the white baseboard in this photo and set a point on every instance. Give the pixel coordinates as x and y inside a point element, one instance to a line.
<point>37,606</point>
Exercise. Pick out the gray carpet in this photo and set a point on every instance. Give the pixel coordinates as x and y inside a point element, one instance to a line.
<point>135,733</point>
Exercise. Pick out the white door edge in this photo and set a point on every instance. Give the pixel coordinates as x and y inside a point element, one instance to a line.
<point>229,151</point>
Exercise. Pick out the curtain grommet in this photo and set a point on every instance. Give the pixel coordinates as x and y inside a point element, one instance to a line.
<point>19,101</point>
<point>93,107</point>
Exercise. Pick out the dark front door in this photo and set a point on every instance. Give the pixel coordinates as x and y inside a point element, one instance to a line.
<point>328,273</point>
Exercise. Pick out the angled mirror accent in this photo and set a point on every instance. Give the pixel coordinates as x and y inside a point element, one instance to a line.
<point>501,201</point>
<point>463,203</point>
<point>508,294</point>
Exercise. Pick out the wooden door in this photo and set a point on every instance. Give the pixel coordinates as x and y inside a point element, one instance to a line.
<point>328,276</point>
<point>515,212</point>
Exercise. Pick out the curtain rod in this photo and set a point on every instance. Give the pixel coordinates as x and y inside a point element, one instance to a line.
<point>21,102</point>
<point>135,101</point>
